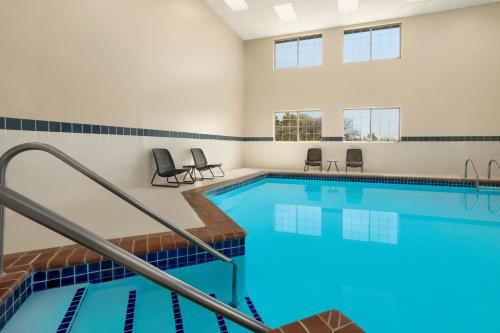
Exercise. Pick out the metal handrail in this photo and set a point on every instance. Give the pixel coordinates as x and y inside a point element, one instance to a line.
<point>11,153</point>
<point>49,219</point>
<point>489,167</point>
<point>475,171</point>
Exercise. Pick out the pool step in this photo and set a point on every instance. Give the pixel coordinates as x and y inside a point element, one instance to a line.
<point>104,309</point>
<point>44,312</point>
<point>195,318</point>
<point>128,326</point>
<point>73,308</point>
<point>220,320</point>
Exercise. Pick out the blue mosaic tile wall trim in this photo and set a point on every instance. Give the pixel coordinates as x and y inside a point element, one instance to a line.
<point>353,178</point>
<point>253,310</point>
<point>332,138</point>
<point>449,138</point>
<point>220,320</point>
<point>457,138</point>
<point>14,301</point>
<point>179,325</point>
<point>104,271</point>
<point>258,138</point>
<point>65,127</point>
<point>128,326</point>
<point>72,310</point>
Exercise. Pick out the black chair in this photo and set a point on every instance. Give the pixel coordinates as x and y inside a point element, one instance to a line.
<point>314,158</point>
<point>201,164</point>
<point>354,159</point>
<point>165,168</point>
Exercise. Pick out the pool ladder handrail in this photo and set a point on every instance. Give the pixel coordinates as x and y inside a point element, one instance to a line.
<point>11,153</point>
<point>475,171</point>
<point>61,225</point>
<point>490,164</point>
<point>65,227</point>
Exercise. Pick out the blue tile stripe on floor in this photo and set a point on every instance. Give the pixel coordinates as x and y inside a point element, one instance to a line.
<point>253,310</point>
<point>220,320</point>
<point>179,325</point>
<point>129,317</point>
<point>72,310</point>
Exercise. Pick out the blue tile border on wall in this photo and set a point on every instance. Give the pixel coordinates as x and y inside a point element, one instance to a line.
<point>450,138</point>
<point>66,127</point>
<point>332,138</point>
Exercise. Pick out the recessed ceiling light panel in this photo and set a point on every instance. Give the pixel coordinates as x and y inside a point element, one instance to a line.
<point>347,6</point>
<point>237,5</point>
<point>286,13</point>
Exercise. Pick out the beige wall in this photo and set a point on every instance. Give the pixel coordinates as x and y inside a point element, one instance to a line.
<point>447,82</point>
<point>170,64</point>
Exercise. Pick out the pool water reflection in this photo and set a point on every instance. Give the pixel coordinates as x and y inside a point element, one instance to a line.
<point>394,258</point>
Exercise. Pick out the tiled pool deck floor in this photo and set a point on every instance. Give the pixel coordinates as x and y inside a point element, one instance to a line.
<point>218,227</point>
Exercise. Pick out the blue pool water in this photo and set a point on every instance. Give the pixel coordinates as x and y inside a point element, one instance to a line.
<point>394,258</point>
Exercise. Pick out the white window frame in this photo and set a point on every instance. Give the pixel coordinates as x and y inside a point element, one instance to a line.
<point>371,109</point>
<point>298,125</point>
<point>371,28</point>
<point>298,38</point>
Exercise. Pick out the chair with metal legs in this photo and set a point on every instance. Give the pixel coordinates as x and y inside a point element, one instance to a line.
<point>201,165</point>
<point>165,168</point>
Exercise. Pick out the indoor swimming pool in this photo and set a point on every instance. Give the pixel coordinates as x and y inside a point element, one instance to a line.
<point>392,257</point>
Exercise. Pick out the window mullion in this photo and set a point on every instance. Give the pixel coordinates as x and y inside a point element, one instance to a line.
<point>298,122</point>
<point>371,134</point>
<point>298,52</point>
<point>371,51</point>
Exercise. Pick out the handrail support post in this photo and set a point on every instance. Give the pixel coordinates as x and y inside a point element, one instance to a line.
<point>490,164</point>
<point>475,171</point>
<point>234,286</point>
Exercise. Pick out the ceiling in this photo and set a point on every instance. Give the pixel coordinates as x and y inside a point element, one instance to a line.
<point>261,20</point>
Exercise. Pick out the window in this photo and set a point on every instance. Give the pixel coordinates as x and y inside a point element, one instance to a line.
<point>380,125</point>
<point>372,43</point>
<point>304,51</point>
<point>298,126</point>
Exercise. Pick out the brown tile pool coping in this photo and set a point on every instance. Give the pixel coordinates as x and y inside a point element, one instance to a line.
<point>218,227</point>
<point>326,322</point>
